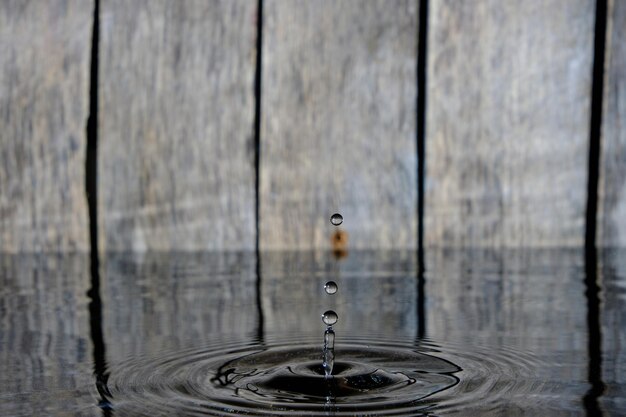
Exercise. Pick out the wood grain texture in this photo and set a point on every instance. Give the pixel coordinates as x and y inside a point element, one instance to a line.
<point>176,154</point>
<point>44,104</point>
<point>612,181</point>
<point>507,128</point>
<point>338,123</point>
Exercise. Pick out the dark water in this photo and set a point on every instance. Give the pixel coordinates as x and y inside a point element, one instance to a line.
<point>479,333</point>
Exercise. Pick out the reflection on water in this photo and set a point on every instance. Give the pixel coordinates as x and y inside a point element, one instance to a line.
<point>45,348</point>
<point>512,326</point>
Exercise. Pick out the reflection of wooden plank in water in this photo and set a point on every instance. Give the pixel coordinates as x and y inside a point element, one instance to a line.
<point>514,308</point>
<point>338,123</point>
<point>45,348</point>
<point>44,104</point>
<point>531,299</point>
<point>613,319</point>
<point>612,185</point>
<point>166,301</point>
<point>509,87</point>
<point>176,151</point>
<point>376,297</point>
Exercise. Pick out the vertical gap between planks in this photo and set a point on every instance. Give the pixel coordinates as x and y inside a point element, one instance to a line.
<point>91,189</point>
<point>257,116</point>
<point>257,160</point>
<point>421,159</point>
<point>421,115</point>
<point>595,124</point>
<point>592,288</point>
<point>91,160</point>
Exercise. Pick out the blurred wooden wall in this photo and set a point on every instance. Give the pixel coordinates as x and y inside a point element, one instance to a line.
<point>612,187</point>
<point>191,157</point>
<point>44,105</point>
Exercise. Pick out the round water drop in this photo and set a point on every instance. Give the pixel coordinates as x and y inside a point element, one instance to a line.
<point>329,318</point>
<point>330,287</point>
<point>336,219</point>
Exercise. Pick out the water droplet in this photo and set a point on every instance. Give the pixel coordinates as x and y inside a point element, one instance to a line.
<point>336,219</point>
<point>329,318</point>
<point>330,287</point>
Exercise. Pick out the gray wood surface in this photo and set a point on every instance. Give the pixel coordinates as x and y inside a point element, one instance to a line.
<point>176,154</point>
<point>44,104</point>
<point>612,185</point>
<point>338,123</point>
<point>507,124</point>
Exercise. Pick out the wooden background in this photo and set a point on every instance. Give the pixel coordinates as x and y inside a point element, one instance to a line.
<point>191,158</point>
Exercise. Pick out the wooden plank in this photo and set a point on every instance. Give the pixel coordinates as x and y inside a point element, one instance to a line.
<point>176,154</point>
<point>338,123</point>
<point>44,105</point>
<point>507,125</point>
<point>612,184</point>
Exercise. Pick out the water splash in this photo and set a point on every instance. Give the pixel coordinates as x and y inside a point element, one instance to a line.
<point>328,355</point>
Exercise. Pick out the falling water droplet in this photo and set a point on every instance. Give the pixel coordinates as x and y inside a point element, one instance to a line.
<point>330,287</point>
<point>336,219</point>
<point>329,318</point>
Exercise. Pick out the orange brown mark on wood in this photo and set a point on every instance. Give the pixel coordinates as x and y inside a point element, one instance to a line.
<point>339,243</point>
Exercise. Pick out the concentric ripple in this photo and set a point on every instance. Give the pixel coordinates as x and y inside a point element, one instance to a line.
<point>376,378</point>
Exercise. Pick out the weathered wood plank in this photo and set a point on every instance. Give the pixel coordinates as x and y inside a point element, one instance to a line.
<point>612,184</point>
<point>338,123</point>
<point>176,154</point>
<point>44,104</point>
<point>507,127</point>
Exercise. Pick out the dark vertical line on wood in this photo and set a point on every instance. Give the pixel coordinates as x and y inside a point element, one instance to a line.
<point>421,160</point>
<point>91,185</point>
<point>257,161</point>
<point>595,128</point>
<point>421,116</point>
<point>257,115</point>
<point>592,292</point>
<point>91,188</point>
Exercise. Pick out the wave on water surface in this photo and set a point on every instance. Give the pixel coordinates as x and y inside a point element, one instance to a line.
<point>373,377</point>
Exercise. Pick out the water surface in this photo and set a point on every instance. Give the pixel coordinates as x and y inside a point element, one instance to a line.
<point>511,332</point>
